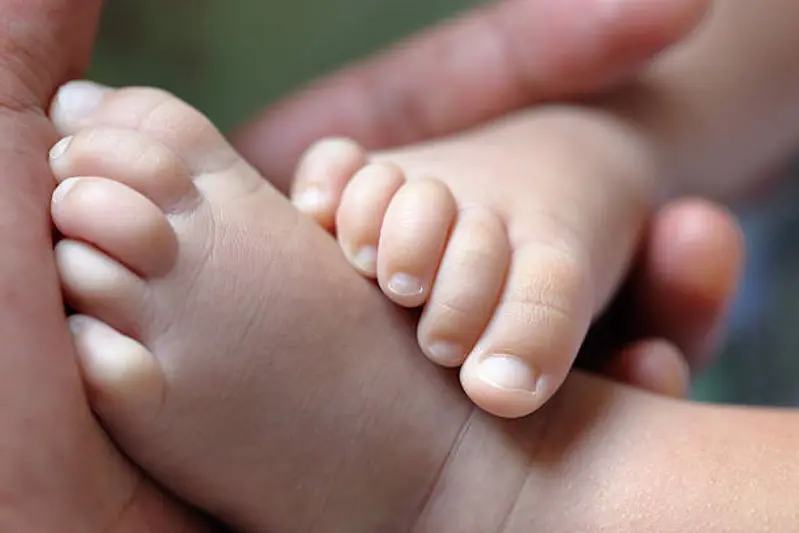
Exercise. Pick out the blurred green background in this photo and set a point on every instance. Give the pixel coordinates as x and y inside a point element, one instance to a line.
<point>231,57</point>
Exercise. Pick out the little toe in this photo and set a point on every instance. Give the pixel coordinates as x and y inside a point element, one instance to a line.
<point>118,220</point>
<point>412,240</point>
<point>128,157</point>
<point>467,287</point>
<point>534,336</point>
<point>97,285</point>
<point>360,216</point>
<point>124,381</point>
<point>322,175</point>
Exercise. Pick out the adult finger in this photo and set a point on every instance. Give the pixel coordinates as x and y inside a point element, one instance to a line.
<point>491,61</point>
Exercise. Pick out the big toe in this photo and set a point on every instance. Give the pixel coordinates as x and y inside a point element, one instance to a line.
<point>533,338</point>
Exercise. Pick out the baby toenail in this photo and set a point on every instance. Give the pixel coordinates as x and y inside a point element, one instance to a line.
<point>64,189</point>
<point>508,372</point>
<point>76,324</point>
<point>365,259</point>
<point>60,147</point>
<point>76,100</point>
<point>311,199</point>
<point>446,353</point>
<point>405,285</point>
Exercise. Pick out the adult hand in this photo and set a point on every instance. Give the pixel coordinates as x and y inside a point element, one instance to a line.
<point>498,58</point>
<point>667,320</point>
<point>58,471</point>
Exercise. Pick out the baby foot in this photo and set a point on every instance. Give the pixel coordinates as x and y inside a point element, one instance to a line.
<point>214,352</point>
<point>513,238</point>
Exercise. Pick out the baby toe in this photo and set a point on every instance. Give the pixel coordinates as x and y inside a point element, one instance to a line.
<point>466,288</point>
<point>413,237</point>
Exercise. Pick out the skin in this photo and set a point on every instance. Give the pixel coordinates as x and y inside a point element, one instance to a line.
<point>706,149</point>
<point>716,130</point>
<point>696,480</point>
<point>225,403</point>
<point>521,52</point>
<point>50,43</point>
<point>621,37</point>
<point>722,131</point>
<point>722,469</point>
<point>514,237</point>
<point>59,471</point>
